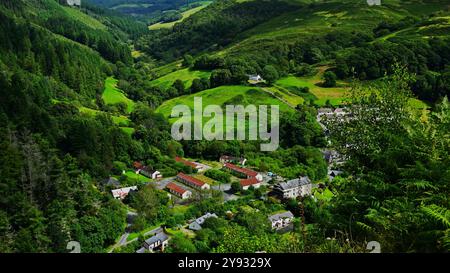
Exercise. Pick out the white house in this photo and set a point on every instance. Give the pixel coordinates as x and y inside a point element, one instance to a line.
<point>123,192</point>
<point>294,188</point>
<point>281,220</point>
<point>197,223</point>
<point>255,78</point>
<point>150,172</point>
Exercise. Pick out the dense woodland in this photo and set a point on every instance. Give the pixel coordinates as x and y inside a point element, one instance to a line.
<point>54,158</point>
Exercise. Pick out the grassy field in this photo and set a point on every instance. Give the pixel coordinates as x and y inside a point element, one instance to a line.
<point>113,95</point>
<point>122,121</point>
<point>85,19</point>
<point>337,95</point>
<point>185,14</point>
<point>136,177</point>
<point>205,179</point>
<point>186,75</point>
<point>236,95</point>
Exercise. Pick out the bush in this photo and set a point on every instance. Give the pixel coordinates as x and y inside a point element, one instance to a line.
<point>218,176</point>
<point>329,79</point>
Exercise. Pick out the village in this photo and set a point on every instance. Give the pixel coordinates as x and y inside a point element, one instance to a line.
<point>183,189</point>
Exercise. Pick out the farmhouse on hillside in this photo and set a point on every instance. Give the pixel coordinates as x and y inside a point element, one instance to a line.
<point>255,78</point>
<point>192,182</point>
<point>242,172</point>
<point>150,173</point>
<point>294,188</point>
<point>178,191</point>
<point>281,220</point>
<point>197,223</point>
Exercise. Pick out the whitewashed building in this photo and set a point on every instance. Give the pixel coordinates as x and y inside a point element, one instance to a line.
<point>123,192</point>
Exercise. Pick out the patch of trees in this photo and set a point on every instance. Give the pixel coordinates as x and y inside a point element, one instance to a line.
<point>110,48</point>
<point>427,58</point>
<point>218,175</point>
<point>386,164</point>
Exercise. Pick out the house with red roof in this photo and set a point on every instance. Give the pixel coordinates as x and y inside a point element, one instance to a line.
<point>250,182</point>
<point>192,182</point>
<point>242,172</point>
<point>193,165</point>
<point>178,191</point>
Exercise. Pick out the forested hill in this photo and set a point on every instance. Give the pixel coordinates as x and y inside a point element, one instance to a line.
<point>54,60</point>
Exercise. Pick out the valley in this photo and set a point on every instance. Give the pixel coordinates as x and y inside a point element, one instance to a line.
<point>89,155</point>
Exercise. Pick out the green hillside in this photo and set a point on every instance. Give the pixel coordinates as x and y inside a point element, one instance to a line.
<point>233,95</point>
<point>113,95</point>
<point>186,14</point>
<point>186,75</point>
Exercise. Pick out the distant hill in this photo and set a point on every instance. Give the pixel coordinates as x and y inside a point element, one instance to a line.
<point>289,34</point>
<point>144,8</point>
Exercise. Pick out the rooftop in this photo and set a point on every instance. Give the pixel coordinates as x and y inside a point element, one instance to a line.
<point>249,182</point>
<point>191,179</point>
<point>174,187</point>
<point>294,183</point>
<point>158,237</point>
<point>241,170</point>
<point>202,219</point>
<point>278,216</point>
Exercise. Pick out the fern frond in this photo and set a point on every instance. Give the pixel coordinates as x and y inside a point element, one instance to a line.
<point>438,213</point>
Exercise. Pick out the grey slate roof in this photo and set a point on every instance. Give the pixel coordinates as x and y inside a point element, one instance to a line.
<point>196,224</point>
<point>294,183</point>
<point>158,237</point>
<point>279,216</point>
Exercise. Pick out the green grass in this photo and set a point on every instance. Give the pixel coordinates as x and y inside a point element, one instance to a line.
<point>222,95</point>
<point>135,235</point>
<point>185,14</point>
<point>336,95</point>
<point>325,17</point>
<point>179,209</point>
<point>186,75</point>
<point>119,120</point>
<point>113,95</point>
<point>128,130</point>
<point>136,177</point>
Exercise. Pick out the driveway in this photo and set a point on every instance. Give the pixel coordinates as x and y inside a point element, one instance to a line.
<point>225,189</point>
<point>161,184</point>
